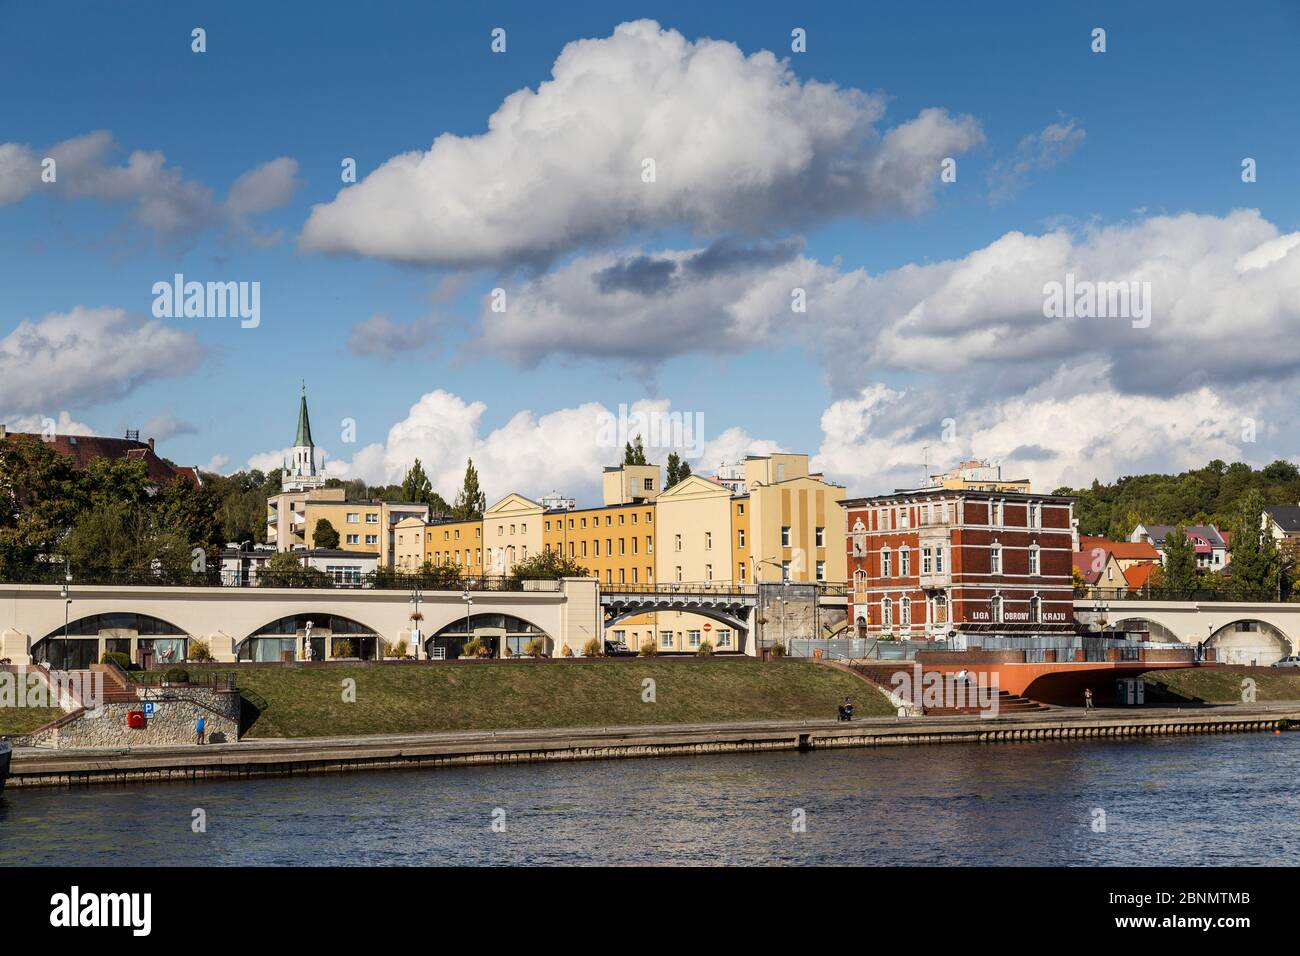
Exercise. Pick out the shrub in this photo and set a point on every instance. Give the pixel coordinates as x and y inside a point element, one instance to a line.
<point>473,648</point>
<point>778,650</point>
<point>592,648</point>
<point>177,675</point>
<point>344,648</point>
<point>199,651</point>
<point>116,657</point>
<point>567,652</point>
<point>507,652</point>
<point>535,648</point>
<point>705,649</point>
<point>649,648</point>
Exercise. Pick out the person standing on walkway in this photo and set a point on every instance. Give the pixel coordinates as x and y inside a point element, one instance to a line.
<point>198,728</point>
<point>1087,698</point>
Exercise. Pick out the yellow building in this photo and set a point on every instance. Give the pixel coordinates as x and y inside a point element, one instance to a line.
<point>977,475</point>
<point>512,532</point>
<point>286,515</point>
<point>363,526</point>
<point>796,523</point>
<point>616,543</point>
<point>455,543</point>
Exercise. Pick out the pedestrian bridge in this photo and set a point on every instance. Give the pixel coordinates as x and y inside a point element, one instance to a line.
<point>1242,632</point>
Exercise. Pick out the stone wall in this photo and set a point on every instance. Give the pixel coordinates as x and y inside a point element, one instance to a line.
<point>176,711</point>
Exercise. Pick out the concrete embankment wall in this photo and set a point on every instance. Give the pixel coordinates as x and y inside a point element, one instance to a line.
<point>340,755</point>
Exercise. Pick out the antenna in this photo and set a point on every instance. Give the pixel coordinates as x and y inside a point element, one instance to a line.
<point>925,478</point>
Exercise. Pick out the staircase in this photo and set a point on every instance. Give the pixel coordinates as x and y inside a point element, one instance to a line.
<point>882,674</point>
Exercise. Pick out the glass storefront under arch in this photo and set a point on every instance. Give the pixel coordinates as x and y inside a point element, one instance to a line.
<point>498,631</point>
<point>89,638</point>
<point>332,638</point>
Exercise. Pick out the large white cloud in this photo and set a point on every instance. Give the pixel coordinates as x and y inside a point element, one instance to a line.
<point>739,143</point>
<point>86,356</point>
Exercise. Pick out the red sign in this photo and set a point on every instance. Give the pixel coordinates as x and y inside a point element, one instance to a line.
<point>135,719</point>
<point>708,627</point>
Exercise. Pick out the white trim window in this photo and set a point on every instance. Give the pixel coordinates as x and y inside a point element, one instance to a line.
<point>1033,560</point>
<point>886,612</point>
<point>995,559</point>
<point>886,562</point>
<point>693,638</point>
<point>904,561</point>
<point>940,558</point>
<point>995,608</point>
<point>905,612</point>
<point>927,560</point>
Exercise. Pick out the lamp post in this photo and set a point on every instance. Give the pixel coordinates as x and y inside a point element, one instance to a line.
<point>416,595</point>
<point>67,608</point>
<point>469,612</point>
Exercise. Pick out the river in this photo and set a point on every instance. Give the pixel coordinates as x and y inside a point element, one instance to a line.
<point>1196,800</point>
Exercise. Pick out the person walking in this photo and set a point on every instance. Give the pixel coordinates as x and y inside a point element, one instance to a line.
<point>1087,698</point>
<point>198,729</point>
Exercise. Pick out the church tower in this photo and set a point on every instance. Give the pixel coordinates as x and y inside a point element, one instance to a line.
<point>300,474</point>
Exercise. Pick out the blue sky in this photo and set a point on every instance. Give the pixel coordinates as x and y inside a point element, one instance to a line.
<point>1157,126</point>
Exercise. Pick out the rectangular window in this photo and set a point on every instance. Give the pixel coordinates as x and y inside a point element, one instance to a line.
<point>708,572</point>
<point>821,537</point>
<point>372,539</point>
<point>1033,560</point>
<point>927,561</point>
<point>821,570</point>
<point>708,541</point>
<point>904,563</point>
<point>596,545</point>
<point>740,572</point>
<point>995,560</point>
<point>678,542</point>
<point>622,546</point>
<point>886,571</point>
<point>785,570</point>
<point>740,538</point>
<point>634,545</point>
<point>584,549</point>
<point>372,518</point>
<point>679,572</point>
<point>354,517</point>
<point>785,536</point>
<point>649,545</point>
<point>649,484</point>
<point>693,638</point>
<point>665,638</point>
<point>939,559</point>
<point>354,539</point>
<point>724,637</point>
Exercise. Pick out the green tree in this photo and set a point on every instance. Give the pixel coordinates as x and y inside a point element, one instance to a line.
<point>634,453</point>
<point>548,566</point>
<point>678,470</point>
<point>1255,568</point>
<point>417,487</point>
<point>470,501</point>
<point>1179,570</point>
<point>40,497</point>
<point>284,570</point>
<point>325,535</point>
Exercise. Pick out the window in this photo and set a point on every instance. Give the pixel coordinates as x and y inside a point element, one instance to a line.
<point>649,545</point>
<point>372,518</point>
<point>724,637</point>
<point>927,560</point>
<point>622,545</point>
<point>820,537</point>
<point>1033,560</point>
<point>886,612</point>
<point>609,547</point>
<point>740,509</point>
<point>354,539</point>
<point>740,538</point>
<point>354,517</point>
<point>995,510</point>
<point>620,519</point>
<point>904,562</point>
<point>902,517</point>
<point>785,570</point>
<point>941,609</point>
<point>995,559</point>
<point>1035,515</point>
<point>886,560</point>
<point>634,543</point>
<point>785,536</point>
<point>634,580</point>
<point>708,541</point>
<point>995,607</point>
<point>621,579</point>
<point>512,529</point>
<point>740,572</point>
<point>523,529</point>
<point>859,583</point>
<point>708,572</point>
<point>372,539</point>
<point>584,522</point>
<point>677,543</point>
<point>693,638</point>
<point>584,548</point>
<point>905,612</point>
<point>665,638</point>
<point>821,570</point>
<point>595,544</point>
<point>679,573</point>
<point>940,559</point>
<point>1036,609</point>
<point>649,484</point>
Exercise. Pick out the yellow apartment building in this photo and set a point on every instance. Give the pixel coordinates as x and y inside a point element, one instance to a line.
<point>512,532</point>
<point>286,516</point>
<point>457,543</point>
<point>796,522</point>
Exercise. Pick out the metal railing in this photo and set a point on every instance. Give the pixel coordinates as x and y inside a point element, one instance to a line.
<point>307,578</point>
<point>211,680</point>
<point>1103,595</point>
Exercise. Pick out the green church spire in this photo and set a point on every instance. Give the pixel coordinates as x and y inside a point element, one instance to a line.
<point>304,423</point>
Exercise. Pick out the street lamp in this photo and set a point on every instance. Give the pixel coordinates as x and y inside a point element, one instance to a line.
<point>416,637</point>
<point>67,607</point>
<point>469,611</point>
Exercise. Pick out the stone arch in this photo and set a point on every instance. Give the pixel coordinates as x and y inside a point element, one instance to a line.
<point>1249,640</point>
<point>1156,630</point>
<point>499,630</point>
<point>332,636</point>
<point>702,610</point>
<point>91,636</point>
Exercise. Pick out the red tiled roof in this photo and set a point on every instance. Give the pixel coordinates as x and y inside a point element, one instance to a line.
<point>1123,550</point>
<point>83,449</point>
<point>1083,561</point>
<point>1138,575</point>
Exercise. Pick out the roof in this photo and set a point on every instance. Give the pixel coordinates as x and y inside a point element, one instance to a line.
<point>304,423</point>
<point>913,494</point>
<point>1286,517</point>
<point>83,449</point>
<point>1209,532</point>
<point>1138,575</point>
<point>1123,550</point>
<point>1083,563</point>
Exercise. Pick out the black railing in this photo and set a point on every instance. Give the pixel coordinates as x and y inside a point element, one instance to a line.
<point>213,680</point>
<point>1106,595</point>
<point>307,578</point>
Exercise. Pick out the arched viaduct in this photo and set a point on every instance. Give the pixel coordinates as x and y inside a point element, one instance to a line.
<point>1242,632</point>
<point>568,612</point>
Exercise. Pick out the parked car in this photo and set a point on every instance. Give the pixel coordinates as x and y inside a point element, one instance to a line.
<point>618,649</point>
<point>1293,661</point>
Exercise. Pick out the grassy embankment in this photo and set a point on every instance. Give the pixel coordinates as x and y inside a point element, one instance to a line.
<point>1222,685</point>
<point>308,701</point>
<point>23,720</point>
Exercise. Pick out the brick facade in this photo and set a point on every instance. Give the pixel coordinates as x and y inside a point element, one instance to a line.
<point>925,563</point>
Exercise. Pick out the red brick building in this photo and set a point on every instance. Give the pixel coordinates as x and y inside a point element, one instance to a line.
<point>927,563</point>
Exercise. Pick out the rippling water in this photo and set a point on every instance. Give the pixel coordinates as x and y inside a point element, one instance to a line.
<point>1223,800</point>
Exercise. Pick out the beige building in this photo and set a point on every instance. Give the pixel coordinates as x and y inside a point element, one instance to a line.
<point>512,532</point>
<point>795,522</point>
<point>977,475</point>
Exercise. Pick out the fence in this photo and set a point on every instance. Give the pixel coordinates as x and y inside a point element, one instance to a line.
<point>307,578</point>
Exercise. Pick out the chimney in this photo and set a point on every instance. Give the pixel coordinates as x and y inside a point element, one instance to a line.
<point>151,444</point>
<point>4,433</point>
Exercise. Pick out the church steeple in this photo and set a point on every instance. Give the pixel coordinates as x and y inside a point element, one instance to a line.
<point>304,423</point>
<point>300,475</point>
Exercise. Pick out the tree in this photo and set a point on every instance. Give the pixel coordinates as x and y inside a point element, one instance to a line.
<point>325,535</point>
<point>1255,569</point>
<point>40,498</point>
<point>548,566</point>
<point>417,487</point>
<point>634,454</point>
<point>678,470</point>
<point>470,501</point>
<point>1179,571</point>
<point>284,570</point>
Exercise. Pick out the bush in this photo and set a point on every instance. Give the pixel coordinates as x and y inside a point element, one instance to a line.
<point>177,675</point>
<point>535,648</point>
<point>397,650</point>
<point>778,650</point>
<point>199,651</point>
<point>343,647</point>
<point>592,648</point>
<point>117,657</point>
<point>567,652</point>
<point>474,647</point>
<point>705,649</point>
<point>507,652</point>
<point>649,648</point>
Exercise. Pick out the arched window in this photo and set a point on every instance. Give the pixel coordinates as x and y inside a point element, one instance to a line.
<point>904,561</point>
<point>886,562</point>
<point>1036,609</point>
<point>886,612</point>
<point>995,608</point>
<point>941,609</point>
<point>905,612</point>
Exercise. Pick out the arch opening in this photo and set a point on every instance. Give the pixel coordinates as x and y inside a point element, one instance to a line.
<point>1145,629</point>
<point>307,636</point>
<point>143,638</point>
<point>1250,641</point>
<point>500,632</point>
